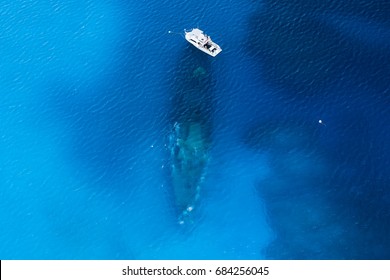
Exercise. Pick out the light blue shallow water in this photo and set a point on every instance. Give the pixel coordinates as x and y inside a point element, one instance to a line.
<point>88,92</point>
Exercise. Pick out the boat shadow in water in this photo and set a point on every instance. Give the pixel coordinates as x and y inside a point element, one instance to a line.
<point>190,134</point>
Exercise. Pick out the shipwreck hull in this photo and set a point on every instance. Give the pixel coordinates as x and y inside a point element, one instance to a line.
<point>189,154</point>
<point>190,137</point>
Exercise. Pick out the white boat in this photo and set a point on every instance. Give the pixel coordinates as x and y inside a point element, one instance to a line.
<point>202,42</point>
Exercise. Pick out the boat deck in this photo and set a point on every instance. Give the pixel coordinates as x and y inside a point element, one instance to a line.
<point>203,42</point>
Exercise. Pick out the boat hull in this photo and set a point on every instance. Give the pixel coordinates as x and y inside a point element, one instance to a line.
<point>202,42</point>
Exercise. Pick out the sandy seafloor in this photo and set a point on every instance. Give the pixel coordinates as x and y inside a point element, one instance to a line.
<point>86,90</point>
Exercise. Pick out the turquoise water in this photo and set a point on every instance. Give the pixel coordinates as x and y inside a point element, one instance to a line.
<point>91,92</point>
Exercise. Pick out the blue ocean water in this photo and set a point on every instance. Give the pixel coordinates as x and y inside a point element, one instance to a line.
<point>91,92</point>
